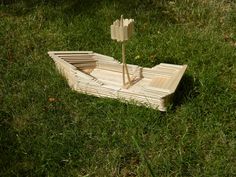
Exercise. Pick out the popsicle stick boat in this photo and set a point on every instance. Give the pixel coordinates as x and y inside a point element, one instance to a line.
<point>103,76</point>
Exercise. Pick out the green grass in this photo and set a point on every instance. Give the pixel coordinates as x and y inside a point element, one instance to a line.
<point>46,129</point>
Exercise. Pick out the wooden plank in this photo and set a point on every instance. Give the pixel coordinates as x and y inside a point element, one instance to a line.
<point>104,78</point>
<point>101,58</point>
<point>76,56</point>
<point>69,52</point>
<point>81,61</point>
<point>149,73</point>
<point>113,33</point>
<point>171,65</point>
<point>166,69</point>
<point>160,83</point>
<point>64,63</point>
<point>109,67</point>
<point>125,33</point>
<point>174,83</point>
<point>144,93</point>
<point>84,66</point>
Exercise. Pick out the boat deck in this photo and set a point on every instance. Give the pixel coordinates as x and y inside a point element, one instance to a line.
<point>101,75</point>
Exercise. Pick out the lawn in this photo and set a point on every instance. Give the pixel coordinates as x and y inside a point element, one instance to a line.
<point>46,129</point>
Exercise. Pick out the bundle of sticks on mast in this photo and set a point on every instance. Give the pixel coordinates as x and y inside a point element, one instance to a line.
<point>121,31</point>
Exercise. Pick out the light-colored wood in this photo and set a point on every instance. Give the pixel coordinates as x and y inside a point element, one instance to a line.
<point>123,49</point>
<point>121,30</point>
<point>101,76</point>
<point>125,68</point>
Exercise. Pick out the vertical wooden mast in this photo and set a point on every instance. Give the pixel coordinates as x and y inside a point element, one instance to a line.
<point>121,30</point>
<point>123,53</point>
<point>124,66</point>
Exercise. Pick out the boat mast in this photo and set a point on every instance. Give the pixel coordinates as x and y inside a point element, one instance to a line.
<point>121,30</point>
<point>125,68</point>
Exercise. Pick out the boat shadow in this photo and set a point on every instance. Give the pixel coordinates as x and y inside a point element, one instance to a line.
<point>186,91</point>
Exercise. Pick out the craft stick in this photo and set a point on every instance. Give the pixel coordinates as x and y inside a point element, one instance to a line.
<point>123,63</point>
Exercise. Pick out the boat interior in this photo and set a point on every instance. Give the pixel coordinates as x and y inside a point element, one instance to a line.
<point>162,78</point>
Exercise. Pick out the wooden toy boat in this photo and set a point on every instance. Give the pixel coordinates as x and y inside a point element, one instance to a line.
<point>101,75</point>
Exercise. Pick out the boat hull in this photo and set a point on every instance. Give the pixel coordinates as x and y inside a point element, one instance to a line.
<point>99,75</point>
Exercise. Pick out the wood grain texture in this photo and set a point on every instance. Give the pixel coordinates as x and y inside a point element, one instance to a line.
<point>101,75</point>
<point>121,30</point>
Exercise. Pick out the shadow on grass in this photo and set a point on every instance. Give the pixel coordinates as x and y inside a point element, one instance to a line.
<point>8,142</point>
<point>186,91</point>
<point>70,7</point>
<point>156,10</point>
